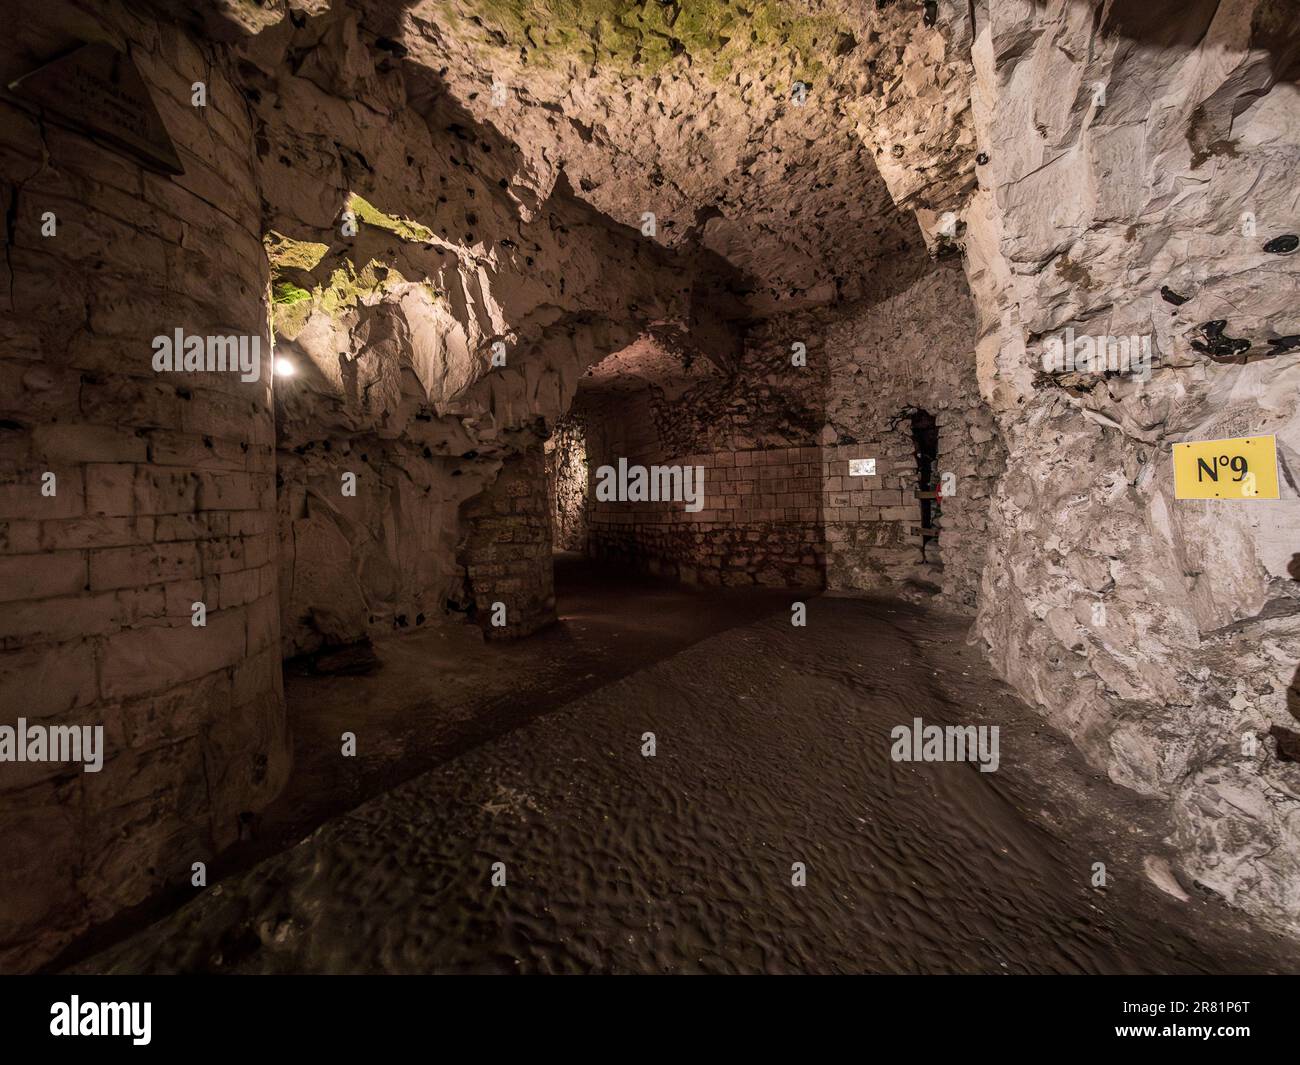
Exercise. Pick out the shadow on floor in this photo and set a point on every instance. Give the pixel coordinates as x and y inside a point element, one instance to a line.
<point>774,828</point>
<point>442,691</point>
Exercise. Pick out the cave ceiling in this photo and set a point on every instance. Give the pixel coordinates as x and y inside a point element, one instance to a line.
<point>691,111</point>
<point>786,149</point>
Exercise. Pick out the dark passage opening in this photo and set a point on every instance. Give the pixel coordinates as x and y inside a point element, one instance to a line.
<point>925,437</point>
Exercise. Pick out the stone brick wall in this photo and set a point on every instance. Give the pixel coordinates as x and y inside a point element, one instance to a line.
<point>760,518</point>
<point>164,496</point>
<point>909,348</point>
<point>759,524</point>
<point>870,521</point>
<point>507,549</point>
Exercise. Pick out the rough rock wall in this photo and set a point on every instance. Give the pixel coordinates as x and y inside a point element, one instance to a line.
<point>772,133</point>
<point>765,400</point>
<point>567,478</point>
<point>409,250</point>
<point>908,349</point>
<point>163,498</point>
<point>1132,147</point>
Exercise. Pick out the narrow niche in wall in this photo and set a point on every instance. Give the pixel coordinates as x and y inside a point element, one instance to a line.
<point>568,479</point>
<point>925,448</point>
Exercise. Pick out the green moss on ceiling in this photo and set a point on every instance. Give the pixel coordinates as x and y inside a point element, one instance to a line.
<point>717,36</point>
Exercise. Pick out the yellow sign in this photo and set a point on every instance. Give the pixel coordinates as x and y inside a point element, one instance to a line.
<point>1242,468</point>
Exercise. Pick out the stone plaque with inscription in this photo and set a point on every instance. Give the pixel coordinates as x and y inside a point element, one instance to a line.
<point>97,90</point>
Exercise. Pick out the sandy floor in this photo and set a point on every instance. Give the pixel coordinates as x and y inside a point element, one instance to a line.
<point>773,748</point>
<point>443,690</point>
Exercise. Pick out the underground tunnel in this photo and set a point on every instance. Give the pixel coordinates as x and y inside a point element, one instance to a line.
<point>570,486</point>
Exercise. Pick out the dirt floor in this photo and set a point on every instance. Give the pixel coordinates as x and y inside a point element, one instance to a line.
<point>441,691</point>
<point>773,747</point>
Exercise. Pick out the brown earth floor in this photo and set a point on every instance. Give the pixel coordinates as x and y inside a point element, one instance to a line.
<point>772,748</point>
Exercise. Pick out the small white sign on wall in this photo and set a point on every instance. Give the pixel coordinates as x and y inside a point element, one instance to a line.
<point>862,467</point>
